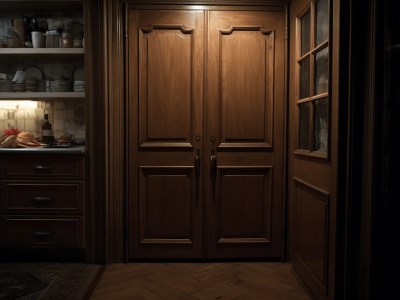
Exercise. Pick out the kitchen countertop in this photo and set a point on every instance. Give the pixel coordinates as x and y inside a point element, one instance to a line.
<point>44,150</point>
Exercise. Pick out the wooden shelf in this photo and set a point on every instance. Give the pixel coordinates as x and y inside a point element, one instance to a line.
<point>42,51</point>
<point>41,5</point>
<point>41,95</point>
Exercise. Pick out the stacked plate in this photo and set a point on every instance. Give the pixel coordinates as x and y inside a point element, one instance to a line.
<point>19,87</point>
<point>60,86</point>
<point>31,84</point>
<point>6,86</point>
<point>41,85</point>
<point>79,86</point>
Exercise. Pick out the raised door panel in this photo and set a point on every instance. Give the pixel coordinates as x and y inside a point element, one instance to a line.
<point>166,205</point>
<point>310,243</point>
<point>245,103</point>
<point>244,209</point>
<point>246,60</point>
<point>166,102</point>
<point>165,135</point>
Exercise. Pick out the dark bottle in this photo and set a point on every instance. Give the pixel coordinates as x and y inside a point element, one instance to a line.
<point>47,131</point>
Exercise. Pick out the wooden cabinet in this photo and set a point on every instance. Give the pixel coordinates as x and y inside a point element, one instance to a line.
<point>42,201</point>
<point>206,133</point>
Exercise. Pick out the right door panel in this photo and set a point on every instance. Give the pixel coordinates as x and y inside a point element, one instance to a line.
<point>245,104</point>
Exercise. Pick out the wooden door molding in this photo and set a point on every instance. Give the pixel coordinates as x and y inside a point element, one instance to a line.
<point>210,2</point>
<point>104,44</point>
<point>96,140</point>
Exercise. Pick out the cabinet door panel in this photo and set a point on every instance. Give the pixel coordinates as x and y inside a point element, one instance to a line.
<point>246,77</point>
<point>244,209</point>
<point>166,205</point>
<point>165,98</point>
<point>245,103</point>
<point>165,103</point>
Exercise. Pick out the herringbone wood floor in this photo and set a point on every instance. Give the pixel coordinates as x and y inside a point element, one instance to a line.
<point>175,281</point>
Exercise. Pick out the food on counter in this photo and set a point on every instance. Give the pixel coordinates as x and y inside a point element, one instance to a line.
<point>25,139</point>
<point>15,138</point>
<point>66,139</point>
<point>12,131</point>
<point>9,141</point>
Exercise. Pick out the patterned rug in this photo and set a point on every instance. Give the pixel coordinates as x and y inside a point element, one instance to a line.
<point>48,280</point>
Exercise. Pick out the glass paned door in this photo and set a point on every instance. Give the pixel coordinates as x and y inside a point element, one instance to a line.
<point>313,79</point>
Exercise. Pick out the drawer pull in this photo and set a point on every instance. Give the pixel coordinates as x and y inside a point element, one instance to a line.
<point>42,168</point>
<point>41,234</point>
<point>41,199</point>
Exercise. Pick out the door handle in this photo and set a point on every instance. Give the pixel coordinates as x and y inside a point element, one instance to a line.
<point>41,199</point>
<point>41,234</point>
<point>197,163</point>
<point>213,164</point>
<point>42,168</point>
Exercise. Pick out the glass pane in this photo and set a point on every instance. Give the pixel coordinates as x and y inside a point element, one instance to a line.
<point>321,125</point>
<point>304,126</point>
<point>322,21</point>
<point>305,78</point>
<point>305,33</point>
<point>321,71</point>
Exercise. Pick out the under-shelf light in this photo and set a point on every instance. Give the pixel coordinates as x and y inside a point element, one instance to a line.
<point>18,104</point>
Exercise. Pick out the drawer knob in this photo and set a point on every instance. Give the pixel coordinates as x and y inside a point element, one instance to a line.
<point>41,199</point>
<point>41,234</point>
<point>42,168</point>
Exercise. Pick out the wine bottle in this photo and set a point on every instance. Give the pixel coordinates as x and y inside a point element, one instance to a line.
<point>47,131</point>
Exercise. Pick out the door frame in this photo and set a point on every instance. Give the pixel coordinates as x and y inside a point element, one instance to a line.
<point>114,29</point>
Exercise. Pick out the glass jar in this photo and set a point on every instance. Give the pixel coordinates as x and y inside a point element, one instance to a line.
<point>66,40</point>
<point>78,40</point>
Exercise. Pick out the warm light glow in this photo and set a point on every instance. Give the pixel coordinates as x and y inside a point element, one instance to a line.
<point>18,104</point>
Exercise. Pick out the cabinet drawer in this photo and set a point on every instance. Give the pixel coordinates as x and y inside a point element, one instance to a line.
<point>41,166</point>
<point>27,197</point>
<point>42,232</point>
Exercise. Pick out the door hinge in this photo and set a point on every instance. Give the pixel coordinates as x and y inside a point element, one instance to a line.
<point>286,33</point>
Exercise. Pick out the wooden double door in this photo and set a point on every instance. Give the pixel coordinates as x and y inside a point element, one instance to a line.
<point>205,117</point>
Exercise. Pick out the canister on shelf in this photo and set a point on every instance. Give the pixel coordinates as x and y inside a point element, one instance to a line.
<point>66,40</point>
<point>78,40</point>
<point>53,39</point>
<point>19,30</point>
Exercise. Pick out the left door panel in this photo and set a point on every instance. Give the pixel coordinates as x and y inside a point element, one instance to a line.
<point>165,113</point>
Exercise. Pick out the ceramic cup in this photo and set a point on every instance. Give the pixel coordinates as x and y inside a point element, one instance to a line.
<point>37,37</point>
